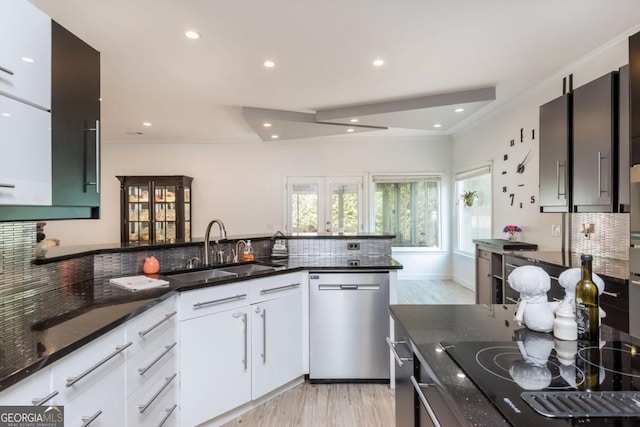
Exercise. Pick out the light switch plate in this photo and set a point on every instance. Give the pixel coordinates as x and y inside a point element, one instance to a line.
<point>555,230</point>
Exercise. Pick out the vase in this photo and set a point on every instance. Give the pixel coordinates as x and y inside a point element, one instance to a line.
<point>512,235</point>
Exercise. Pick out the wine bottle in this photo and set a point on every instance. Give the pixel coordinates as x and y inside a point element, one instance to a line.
<point>587,314</point>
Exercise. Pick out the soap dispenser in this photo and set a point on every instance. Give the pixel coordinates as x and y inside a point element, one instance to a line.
<point>248,252</point>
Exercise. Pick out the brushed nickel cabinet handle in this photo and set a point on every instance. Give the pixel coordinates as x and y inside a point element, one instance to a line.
<point>3,185</point>
<point>168,348</point>
<point>6,70</point>
<point>41,401</point>
<point>169,412</point>
<point>423,399</point>
<point>279,288</point>
<point>71,381</point>
<point>88,420</point>
<point>236,315</point>
<point>392,346</point>
<point>611,294</point>
<point>264,336</point>
<point>218,301</point>
<point>168,380</point>
<point>166,317</point>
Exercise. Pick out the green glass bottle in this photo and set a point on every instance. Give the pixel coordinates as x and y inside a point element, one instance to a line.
<point>587,312</point>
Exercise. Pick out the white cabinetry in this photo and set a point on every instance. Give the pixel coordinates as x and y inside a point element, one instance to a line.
<point>25,101</point>
<point>276,323</point>
<point>25,53</point>
<point>33,390</point>
<point>152,367</point>
<point>85,377</point>
<point>215,352</point>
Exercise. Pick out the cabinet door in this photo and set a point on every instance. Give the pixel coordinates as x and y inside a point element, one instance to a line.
<point>277,343</point>
<point>624,141</point>
<point>555,169</point>
<point>25,53</point>
<point>484,292</point>
<point>25,154</point>
<point>75,103</point>
<point>595,145</point>
<point>215,365</point>
<point>35,389</point>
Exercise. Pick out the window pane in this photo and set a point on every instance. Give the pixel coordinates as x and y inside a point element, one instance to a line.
<point>410,209</point>
<point>344,208</point>
<point>304,208</point>
<point>473,222</point>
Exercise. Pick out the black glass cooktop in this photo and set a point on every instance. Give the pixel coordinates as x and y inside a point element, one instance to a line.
<point>538,362</point>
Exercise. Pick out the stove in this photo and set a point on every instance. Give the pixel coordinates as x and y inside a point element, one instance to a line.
<point>536,367</point>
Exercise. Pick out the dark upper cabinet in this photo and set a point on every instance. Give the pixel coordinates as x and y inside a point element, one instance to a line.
<point>595,145</point>
<point>75,102</point>
<point>555,149</point>
<point>634,92</point>
<point>624,140</point>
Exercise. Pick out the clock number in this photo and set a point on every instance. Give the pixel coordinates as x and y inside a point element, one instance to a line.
<point>512,143</point>
<point>533,134</point>
<point>533,199</point>
<point>504,189</point>
<point>505,157</point>
<point>512,197</point>
<point>504,172</point>
<point>520,205</point>
<point>521,134</point>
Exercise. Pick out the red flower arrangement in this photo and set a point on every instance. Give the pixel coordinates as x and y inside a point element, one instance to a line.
<point>511,229</point>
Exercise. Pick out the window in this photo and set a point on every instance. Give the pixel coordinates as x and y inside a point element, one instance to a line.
<point>409,208</point>
<point>473,222</point>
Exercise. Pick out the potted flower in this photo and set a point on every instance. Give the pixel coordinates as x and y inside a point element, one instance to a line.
<point>512,231</point>
<point>468,197</point>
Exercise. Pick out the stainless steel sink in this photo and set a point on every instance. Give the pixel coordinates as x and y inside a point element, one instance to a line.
<point>248,269</point>
<point>203,276</point>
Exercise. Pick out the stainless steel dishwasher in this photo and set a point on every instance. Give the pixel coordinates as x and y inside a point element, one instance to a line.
<point>348,326</point>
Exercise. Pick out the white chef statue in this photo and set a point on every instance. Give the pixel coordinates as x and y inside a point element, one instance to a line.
<point>534,309</point>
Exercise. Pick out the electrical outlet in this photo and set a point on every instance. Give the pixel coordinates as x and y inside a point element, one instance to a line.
<point>354,262</point>
<point>353,246</point>
<point>555,230</point>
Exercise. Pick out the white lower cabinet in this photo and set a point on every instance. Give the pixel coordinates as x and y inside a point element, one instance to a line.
<point>277,343</point>
<point>33,390</point>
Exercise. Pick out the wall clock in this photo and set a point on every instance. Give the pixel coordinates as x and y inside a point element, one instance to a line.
<point>516,169</point>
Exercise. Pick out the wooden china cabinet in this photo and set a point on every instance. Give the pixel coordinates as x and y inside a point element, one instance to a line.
<point>155,208</point>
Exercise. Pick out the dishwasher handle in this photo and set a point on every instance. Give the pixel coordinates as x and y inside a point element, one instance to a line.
<point>348,287</point>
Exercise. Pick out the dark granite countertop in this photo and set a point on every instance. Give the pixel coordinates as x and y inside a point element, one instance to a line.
<point>428,325</point>
<point>39,325</point>
<point>507,245</point>
<point>609,268</point>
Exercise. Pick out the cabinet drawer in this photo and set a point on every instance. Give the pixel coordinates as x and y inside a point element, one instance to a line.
<point>34,387</point>
<point>89,365</point>
<point>157,358</point>
<point>275,287</point>
<point>616,318</point>
<point>153,323</point>
<point>213,300</point>
<point>158,403</point>
<point>484,254</point>
<point>616,294</point>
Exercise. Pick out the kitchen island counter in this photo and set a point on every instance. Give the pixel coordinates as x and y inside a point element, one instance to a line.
<point>428,325</point>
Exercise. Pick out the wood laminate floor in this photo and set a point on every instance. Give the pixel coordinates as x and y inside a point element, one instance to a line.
<point>349,405</point>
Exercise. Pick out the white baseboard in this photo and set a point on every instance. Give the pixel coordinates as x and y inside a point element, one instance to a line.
<point>423,276</point>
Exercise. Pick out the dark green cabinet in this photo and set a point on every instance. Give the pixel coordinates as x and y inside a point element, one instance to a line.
<point>155,208</point>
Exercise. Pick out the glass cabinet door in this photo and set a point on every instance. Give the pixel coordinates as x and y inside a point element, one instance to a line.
<point>165,213</point>
<point>187,214</point>
<point>138,213</point>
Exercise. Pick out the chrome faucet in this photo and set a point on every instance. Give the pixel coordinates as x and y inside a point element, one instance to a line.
<point>223,235</point>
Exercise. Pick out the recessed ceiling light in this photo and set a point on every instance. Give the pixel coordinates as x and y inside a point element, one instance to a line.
<point>266,124</point>
<point>193,35</point>
<point>459,110</point>
<point>269,64</point>
<point>354,120</point>
<point>437,125</point>
<point>147,124</point>
<point>350,130</point>
<point>5,114</point>
<point>274,136</point>
<point>378,62</point>
<point>27,59</point>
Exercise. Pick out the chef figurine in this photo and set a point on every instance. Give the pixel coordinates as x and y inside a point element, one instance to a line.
<point>534,309</point>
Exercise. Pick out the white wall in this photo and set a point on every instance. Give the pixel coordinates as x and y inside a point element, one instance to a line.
<point>489,140</point>
<point>243,183</point>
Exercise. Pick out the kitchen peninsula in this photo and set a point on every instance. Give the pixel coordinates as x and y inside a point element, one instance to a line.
<point>446,340</point>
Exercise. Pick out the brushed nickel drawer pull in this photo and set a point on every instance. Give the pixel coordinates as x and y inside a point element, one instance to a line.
<point>166,317</point>
<point>168,348</point>
<point>218,301</point>
<point>43,400</point>
<point>88,420</point>
<point>611,294</point>
<point>2,185</point>
<point>512,300</point>
<point>169,412</point>
<point>71,381</point>
<point>423,399</point>
<point>6,70</point>
<point>144,407</point>
<point>279,288</point>
<point>392,346</point>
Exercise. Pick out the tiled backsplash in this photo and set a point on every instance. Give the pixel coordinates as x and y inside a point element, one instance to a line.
<point>610,238</point>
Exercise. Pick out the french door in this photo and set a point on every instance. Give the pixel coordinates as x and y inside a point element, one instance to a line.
<point>324,205</point>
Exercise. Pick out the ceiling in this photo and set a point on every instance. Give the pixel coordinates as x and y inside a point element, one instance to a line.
<point>435,51</point>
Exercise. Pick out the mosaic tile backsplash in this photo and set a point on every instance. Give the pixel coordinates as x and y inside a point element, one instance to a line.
<point>610,238</point>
